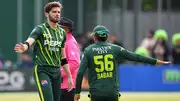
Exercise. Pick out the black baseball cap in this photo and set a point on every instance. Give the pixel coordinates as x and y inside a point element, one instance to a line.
<point>65,22</point>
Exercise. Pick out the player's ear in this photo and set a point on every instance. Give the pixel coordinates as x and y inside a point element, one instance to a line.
<point>46,14</point>
<point>94,38</point>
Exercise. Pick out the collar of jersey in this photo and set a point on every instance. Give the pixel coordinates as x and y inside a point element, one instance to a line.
<point>101,42</point>
<point>48,26</point>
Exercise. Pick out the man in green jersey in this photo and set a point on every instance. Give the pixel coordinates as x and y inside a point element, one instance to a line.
<point>102,61</point>
<point>48,53</point>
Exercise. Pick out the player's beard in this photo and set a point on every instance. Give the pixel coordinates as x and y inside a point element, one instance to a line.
<point>54,20</point>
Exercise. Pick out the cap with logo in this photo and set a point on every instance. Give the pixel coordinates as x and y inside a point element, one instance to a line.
<point>100,31</point>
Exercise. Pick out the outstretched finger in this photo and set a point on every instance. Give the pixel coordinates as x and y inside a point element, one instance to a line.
<point>19,45</point>
<point>16,48</point>
<point>168,62</point>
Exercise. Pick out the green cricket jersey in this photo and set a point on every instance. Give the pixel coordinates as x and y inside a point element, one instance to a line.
<point>48,44</point>
<point>102,61</point>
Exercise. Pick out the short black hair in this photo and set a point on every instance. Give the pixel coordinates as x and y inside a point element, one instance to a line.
<point>100,32</point>
<point>100,38</point>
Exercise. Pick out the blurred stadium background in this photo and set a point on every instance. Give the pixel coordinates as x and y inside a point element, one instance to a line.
<point>133,24</point>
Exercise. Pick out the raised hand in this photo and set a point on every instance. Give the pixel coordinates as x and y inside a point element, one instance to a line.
<point>159,62</point>
<point>20,48</point>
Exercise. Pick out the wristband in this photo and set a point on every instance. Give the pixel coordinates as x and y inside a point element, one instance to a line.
<point>27,45</point>
<point>64,61</point>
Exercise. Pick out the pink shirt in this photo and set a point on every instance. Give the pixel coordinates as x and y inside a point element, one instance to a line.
<point>1,65</point>
<point>73,57</point>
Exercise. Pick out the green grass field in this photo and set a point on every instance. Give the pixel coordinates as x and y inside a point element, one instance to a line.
<point>125,97</point>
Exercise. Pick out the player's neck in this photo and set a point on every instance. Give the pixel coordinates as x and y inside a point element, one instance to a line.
<point>52,24</point>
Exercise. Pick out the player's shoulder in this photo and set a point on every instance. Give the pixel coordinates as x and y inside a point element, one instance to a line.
<point>61,29</point>
<point>116,47</point>
<point>89,47</point>
<point>42,25</point>
<point>39,25</point>
<point>113,45</point>
<point>37,28</point>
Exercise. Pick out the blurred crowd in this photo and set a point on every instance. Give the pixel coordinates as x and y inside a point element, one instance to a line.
<point>155,44</point>
<point>25,61</point>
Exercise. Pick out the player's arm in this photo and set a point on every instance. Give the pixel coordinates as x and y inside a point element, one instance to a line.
<point>64,63</point>
<point>81,71</point>
<point>22,47</point>
<point>139,58</point>
<point>73,64</point>
<point>63,73</point>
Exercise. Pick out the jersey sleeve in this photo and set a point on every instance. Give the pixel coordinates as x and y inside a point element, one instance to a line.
<point>64,40</point>
<point>131,56</point>
<point>81,71</point>
<point>35,33</point>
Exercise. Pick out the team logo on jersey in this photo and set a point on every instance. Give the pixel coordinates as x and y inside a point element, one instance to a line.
<point>47,36</point>
<point>44,82</point>
<point>52,43</point>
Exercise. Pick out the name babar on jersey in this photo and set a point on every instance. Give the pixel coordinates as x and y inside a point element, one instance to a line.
<point>104,71</point>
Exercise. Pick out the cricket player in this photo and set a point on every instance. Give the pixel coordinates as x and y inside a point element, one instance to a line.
<point>48,53</point>
<point>102,61</point>
<point>73,57</point>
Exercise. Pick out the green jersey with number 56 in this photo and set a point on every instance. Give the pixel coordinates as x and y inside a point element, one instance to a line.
<point>102,61</point>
